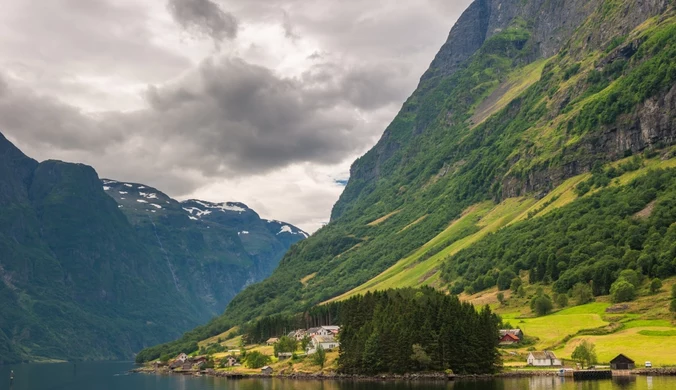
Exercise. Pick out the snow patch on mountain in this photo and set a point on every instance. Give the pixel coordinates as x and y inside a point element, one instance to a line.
<point>147,195</point>
<point>194,211</point>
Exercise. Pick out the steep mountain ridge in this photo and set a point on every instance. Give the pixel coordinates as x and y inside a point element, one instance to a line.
<point>84,277</point>
<point>564,87</point>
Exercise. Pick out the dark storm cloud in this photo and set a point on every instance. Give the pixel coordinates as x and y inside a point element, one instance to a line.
<point>204,17</point>
<point>243,119</point>
<point>226,118</point>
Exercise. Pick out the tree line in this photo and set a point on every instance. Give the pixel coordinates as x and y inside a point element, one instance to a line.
<point>412,330</point>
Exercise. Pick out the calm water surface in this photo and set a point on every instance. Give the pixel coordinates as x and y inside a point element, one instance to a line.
<point>109,376</point>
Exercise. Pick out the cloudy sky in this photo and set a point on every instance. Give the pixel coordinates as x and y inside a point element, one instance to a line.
<point>265,102</point>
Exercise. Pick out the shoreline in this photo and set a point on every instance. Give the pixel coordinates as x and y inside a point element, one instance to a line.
<point>413,377</point>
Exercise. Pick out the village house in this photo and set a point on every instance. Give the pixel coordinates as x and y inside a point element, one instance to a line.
<point>267,370</point>
<point>543,359</point>
<point>272,341</point>
<point>326,342</point>
<point>508,339</point>
<point>229,361</point>
<point>297,334</point>
<point>182,357</point>
<point>622,362</point>
<point>313,331</point>
<point>328,331</point>
<point>518,333</point>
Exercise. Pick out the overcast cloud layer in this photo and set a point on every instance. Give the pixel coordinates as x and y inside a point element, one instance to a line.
<point>265,102</point>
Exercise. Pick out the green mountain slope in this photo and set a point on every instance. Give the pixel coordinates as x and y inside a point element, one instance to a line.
<point>83,277</point>
<point>523,98</point>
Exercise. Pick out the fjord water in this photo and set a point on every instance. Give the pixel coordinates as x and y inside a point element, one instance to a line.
<point>114,376</point>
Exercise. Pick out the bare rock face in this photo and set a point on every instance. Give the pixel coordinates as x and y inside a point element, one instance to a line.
<point>651,125</point>
<point>553,23</point>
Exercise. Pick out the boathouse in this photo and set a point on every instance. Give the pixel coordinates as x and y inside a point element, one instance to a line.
<point>622,362</point>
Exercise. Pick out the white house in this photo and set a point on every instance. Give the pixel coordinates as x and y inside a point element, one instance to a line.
<point>543,359</point>
<point>327,342</point>
<point>328,331</point>
<point>182,357</point>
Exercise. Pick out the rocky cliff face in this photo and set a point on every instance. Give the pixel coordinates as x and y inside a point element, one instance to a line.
<point>572,28</point>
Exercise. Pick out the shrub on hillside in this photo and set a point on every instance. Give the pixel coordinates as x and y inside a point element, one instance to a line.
<point>622,291</point>
<point>582,293</point>
<point>655,285</point>
<point>256,359</point>
<point>541,304</point>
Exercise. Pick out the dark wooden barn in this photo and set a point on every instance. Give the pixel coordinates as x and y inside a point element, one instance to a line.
<point>622,362</point>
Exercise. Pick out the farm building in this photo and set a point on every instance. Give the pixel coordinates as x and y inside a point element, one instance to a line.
<point>508,339</point>
<point>622,362</point>
<point>514,332</point>
<point>326,342</point>
<point>267,370</point>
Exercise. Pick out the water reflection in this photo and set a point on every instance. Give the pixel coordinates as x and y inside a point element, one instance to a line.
<point>113,376</point>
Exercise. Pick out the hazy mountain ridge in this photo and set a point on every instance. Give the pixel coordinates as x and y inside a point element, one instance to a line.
<point>98,269</point>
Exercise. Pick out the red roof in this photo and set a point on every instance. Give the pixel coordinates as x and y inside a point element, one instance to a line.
<point>509,337</point>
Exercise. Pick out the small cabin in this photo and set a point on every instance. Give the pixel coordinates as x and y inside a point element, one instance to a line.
<point>229,361</point>
<point>508,339</point>
<point>518,333</point>
<point>267,370</point>
<point>622,362</point>
<point>272,341</point>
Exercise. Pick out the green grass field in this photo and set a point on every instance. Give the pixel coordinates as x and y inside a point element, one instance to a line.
<point>645,331</point>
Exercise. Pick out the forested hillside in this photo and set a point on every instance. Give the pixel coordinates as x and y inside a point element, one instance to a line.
<point>523,98</point>
<point>83,277</point>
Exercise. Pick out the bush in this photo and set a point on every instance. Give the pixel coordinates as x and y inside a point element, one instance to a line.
<point>521,292</point>
<point>655,285</point>
<point>256,359</point>
<point>630,276</point>
<point>541,304</point>
<point>319,358</point>
<point>672,306</point>
<point>505,279</point>
<point>582,293</point>
<point>622,291</point>
<point>285,344</point>
<point>501,297</point>
<point>562,300</point>
<point>515,284</point>
<point>585,353</point>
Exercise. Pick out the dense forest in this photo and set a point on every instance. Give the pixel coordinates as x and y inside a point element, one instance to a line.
<point>592,239</point>
<point>411,330</point>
